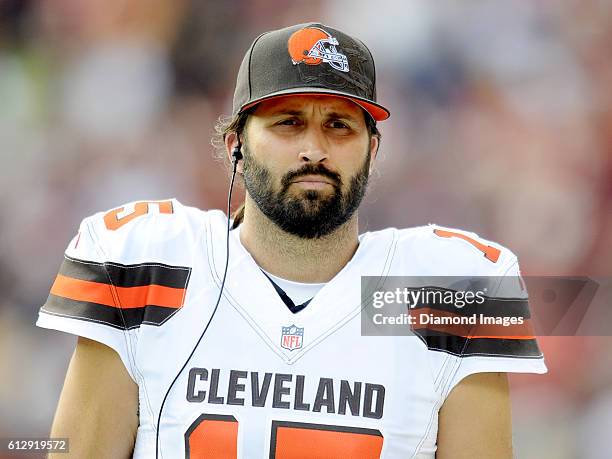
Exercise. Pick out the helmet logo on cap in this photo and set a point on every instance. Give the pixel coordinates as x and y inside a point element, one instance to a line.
<point>312,46</point>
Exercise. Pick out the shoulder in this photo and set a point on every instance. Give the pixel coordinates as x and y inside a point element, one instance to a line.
<point>451,251</point>
<point>126,266</point>
<point>141,230</point>
<point>123,261</point>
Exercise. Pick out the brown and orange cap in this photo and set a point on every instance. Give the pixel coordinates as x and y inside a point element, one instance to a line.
<point>308,59</point>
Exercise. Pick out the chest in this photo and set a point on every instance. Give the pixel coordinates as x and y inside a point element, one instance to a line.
<point>302,391</point>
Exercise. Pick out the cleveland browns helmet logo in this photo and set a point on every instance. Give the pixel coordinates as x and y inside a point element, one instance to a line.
<point>312,46</point>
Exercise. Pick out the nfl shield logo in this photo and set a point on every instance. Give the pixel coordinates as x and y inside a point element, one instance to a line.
<point>292,337</point>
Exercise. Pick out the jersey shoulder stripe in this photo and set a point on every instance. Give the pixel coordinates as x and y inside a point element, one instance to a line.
<point>466,346</point>
<point>121,296</point>
<point>454,263</point>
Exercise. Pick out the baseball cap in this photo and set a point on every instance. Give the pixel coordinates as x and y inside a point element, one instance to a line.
<point>308,59</point>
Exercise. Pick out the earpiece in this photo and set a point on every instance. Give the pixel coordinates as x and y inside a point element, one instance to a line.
<point>236,153</point>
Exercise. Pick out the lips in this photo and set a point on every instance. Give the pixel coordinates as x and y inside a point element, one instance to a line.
<point>312,176</point>
<point>313,179</point>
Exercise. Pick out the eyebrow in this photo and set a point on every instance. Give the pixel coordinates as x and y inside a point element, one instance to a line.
<point>301,113</point>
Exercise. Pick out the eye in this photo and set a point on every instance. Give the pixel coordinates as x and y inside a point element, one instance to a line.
<point>288,122</point>
<point>337,124</point>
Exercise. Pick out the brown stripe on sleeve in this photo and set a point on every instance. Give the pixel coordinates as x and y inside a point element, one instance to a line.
<point>491,347</point>
<point>83,290</point>
<point>450,332</point>
<point>122,275</point>
<point>424,317</point>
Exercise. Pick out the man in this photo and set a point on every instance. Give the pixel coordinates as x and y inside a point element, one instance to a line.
<point>181,355</point>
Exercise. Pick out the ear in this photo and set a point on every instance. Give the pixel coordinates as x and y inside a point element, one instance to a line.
<point>374,144</point>
<point>231,142</point>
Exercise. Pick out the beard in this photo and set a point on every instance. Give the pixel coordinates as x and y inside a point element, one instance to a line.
<point>308,214</point>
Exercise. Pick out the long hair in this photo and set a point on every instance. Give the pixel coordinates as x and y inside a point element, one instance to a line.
<point>227,125</point>
<point>237,124</point>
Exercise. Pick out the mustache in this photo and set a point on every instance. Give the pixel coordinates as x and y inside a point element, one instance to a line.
<point>311,169</point>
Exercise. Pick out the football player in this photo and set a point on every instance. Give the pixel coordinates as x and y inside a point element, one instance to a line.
<point>198,341</point>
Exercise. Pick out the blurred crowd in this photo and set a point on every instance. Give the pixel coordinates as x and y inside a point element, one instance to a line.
<point>501,124</point>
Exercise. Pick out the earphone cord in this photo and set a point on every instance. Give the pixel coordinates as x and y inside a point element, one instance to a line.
<point>236,157</point>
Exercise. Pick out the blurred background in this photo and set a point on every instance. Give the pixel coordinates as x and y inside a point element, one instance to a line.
<point>501,124</point>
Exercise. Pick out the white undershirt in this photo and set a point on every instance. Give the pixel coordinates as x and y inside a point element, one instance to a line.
<point>299,292</point>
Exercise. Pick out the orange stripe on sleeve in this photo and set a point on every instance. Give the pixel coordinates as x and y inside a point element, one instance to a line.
<point>129,297</point>
<point>515,331</point>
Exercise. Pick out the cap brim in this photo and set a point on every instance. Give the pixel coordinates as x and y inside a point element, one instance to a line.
<point>378,112</point>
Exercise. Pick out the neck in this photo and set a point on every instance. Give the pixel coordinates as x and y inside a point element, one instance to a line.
<point>291,257</point>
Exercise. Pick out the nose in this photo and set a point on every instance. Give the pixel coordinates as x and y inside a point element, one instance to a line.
<point>313,148</point>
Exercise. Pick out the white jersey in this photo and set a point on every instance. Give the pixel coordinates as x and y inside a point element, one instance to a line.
<point>263,381</point>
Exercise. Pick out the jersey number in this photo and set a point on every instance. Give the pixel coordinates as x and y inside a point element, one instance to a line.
<point>113,221</point>
<point>490,253</point>
<point>214,435</point>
